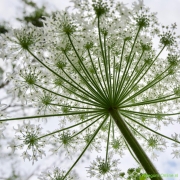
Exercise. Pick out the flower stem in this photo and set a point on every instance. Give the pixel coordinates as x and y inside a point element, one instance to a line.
<point>93,136</point>
<point>135,146</point>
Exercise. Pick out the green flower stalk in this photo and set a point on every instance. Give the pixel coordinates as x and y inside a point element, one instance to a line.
<point>97,69</point>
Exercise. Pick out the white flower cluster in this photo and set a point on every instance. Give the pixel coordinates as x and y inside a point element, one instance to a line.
<point>97,67</point>
<point>56,174</point>
<point>27,138</point>
<point>102,169</point>
<point>65,141</point>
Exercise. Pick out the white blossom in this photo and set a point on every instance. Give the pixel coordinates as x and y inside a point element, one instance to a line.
<point>94,69</point>
<point>27,138</point>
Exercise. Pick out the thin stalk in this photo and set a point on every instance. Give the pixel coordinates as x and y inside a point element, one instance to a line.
<point>118,79</point>
<point>107,146</point>
<point>114,78</point>
<point>144,74</point>
<point>94,92</point>
<point>131,152</point>
<point>135,146</point>
<point>86,82</point>
<point>126,71</point>
<point>110,83</point>
<point>137,131</point>
<point>96,89</point>
<point>104,82</point>
<point>97,130</point>
<point>152,101</point>
<point>54,132</point>
<point>96,86</point>
<point>151,129</point>
<point>149,114</point>
<point>113,133</point>
<point>131,77</point>
<point>147,86</point>
<point>50,115</point>
<point>87,126</point>
<point>132,83</point>
<point>68,106</point>
<point>128,64</point>
<point>69,98</point>
<point>104,92</point>
<point>103,55</point>
<point>55,73</point>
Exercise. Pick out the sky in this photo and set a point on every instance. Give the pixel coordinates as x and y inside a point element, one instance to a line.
<point>168,12</point>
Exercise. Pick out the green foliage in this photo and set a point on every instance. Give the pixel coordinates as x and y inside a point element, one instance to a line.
<point>36,16</point>
<point>3,29</point>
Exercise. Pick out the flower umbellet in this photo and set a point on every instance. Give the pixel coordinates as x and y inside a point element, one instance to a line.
<point>103,169</point>
<point>98,70</point>
<point>27,137</point>
<point>56,174</point>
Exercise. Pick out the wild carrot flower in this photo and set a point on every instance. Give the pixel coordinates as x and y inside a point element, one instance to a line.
<point>98,69</point>
<point>28,137</point>
<point>56,174</point>
<point>104,169</point>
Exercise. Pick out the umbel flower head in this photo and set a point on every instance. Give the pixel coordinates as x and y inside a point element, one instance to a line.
<point>99,71</point>
<point>28,136</point>
<point>56,174</point>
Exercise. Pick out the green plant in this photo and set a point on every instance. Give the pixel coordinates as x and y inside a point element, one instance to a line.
<point>99,70</point>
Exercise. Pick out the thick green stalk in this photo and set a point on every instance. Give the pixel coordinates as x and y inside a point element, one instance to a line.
<point>135,146</point>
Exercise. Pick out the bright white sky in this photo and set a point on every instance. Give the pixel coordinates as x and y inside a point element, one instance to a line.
<point>168,12</point>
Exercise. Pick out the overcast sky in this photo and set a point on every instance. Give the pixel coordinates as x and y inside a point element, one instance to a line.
<point>168,12</point>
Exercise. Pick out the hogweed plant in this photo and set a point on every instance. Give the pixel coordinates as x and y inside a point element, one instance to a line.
<point>97,69</point>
